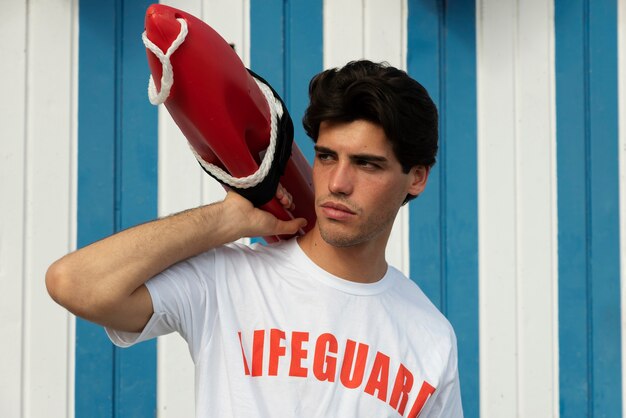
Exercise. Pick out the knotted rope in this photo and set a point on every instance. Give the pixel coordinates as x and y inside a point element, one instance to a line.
<point>167,73</point>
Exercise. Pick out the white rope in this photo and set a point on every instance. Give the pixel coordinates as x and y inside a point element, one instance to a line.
<point>276,111</point>
<point>167,80</point>
<point>167,76</point>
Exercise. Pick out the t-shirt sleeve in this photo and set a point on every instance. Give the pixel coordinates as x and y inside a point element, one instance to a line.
<point>447,401</point>
<point>184,301</point>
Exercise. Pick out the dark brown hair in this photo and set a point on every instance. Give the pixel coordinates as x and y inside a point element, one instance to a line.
<point>382,94</point>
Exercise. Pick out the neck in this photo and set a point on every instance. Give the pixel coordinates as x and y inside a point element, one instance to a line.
<point>362,263</point>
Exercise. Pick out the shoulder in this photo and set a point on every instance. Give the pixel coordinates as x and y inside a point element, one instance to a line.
<point>411,294</point>
<point>422,313</point>
<point>243,262</point>
<point>256,252</point>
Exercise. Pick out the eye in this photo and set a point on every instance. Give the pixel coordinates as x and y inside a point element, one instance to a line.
<point>367,164</point>
<point>323,156</point>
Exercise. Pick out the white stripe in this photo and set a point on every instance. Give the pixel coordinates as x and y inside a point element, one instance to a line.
<point>38,204</point>
<point>517,209</point>
<point>342,31</point>
<point>183,185</point>
<point>496,203</point>
<point>375,30</point>
<point>38,189</point>
<point>179,188</point>
<point>371,29</point>
<point>385,29</point>
<point>13,35</point>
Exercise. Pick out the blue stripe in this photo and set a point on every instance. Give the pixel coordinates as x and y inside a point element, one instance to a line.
<point>304,60</point>
<point>444,220</point>
<point>267,42</point>
<point>96,216</point>
<point>286,49</point>
<point>588,217</point>
<point>117,186</point>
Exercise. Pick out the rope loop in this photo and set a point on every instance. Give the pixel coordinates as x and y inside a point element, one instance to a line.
<point>167,73</point>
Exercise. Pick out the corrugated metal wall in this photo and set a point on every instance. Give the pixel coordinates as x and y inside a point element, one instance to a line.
<point>516,238</point>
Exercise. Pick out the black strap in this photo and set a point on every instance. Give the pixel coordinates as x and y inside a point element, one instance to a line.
<point>266,189</point>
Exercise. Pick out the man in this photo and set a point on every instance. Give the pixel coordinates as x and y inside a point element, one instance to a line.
<point>318,326</point>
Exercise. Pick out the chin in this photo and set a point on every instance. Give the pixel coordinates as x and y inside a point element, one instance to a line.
<point>339,242</point>
<point>342,240</point>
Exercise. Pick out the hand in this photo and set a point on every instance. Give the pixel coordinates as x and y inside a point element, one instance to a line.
<point>254,222</point>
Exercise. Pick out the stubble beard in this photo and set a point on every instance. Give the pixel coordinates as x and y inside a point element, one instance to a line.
<point>363,234</point>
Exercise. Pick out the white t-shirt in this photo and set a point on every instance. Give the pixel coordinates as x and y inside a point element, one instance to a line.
<point>274,335</point>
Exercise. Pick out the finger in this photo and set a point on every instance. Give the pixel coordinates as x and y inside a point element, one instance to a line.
<point>280,192</point>
<point>284,197</point>
<point>288,201</point>
<point>290,227</point>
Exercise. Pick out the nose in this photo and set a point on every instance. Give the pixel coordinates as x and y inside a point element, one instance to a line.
<point>341,179</point>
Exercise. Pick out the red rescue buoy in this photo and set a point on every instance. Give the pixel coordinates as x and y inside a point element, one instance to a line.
<point>221,109</point>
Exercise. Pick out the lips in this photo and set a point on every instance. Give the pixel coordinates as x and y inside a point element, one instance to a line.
<point>337,211</point>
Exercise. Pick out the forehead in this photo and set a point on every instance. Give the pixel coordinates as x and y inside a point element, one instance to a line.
<point>356,137</point>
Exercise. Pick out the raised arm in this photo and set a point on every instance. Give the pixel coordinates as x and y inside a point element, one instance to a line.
<point>104,282</point>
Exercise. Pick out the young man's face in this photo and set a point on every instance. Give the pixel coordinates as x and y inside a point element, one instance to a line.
<point>359,183</point>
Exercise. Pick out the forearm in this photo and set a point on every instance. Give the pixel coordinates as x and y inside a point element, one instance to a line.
<point>103,282</point>
<point>98,278</point>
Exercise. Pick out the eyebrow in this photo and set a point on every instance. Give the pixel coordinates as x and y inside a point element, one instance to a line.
<point>366,157</point>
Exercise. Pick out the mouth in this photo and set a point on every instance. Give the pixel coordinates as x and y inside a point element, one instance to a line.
<point>337,211</point>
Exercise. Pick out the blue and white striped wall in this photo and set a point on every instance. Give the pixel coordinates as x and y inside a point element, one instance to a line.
<point>518,238</point>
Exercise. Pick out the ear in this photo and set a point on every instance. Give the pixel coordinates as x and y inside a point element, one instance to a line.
<point>418,176</point>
